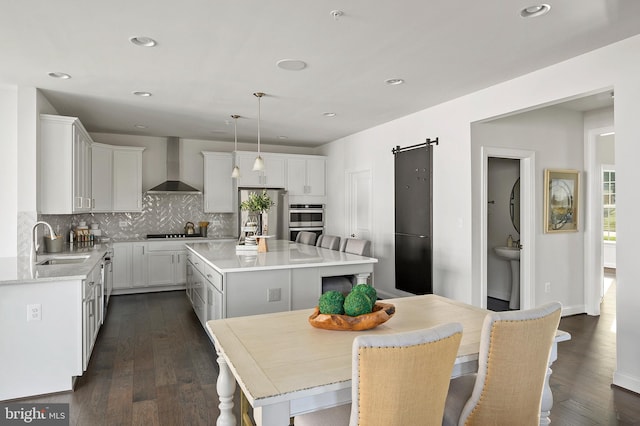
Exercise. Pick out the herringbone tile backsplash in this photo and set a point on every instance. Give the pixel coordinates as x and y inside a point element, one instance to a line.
<point>160,213</point>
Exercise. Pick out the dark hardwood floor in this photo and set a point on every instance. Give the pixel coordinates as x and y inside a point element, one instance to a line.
<point>153,364</point>
<point>582,375</point>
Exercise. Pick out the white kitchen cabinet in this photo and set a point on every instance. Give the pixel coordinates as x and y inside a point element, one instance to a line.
<point>219,192</point>
<point>204,289</point>
<point>117,178</point>
<point>139,265</point>
<point>91,307</point>
<point>122,265</point>
<point>273,175</point>
<point>306,175</point>
<point>149,266</point>
<point>127,179</point>
<point>64,185</point>
<point>102,177</point>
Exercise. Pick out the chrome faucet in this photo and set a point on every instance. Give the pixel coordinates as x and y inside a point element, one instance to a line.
<point>34,243</point>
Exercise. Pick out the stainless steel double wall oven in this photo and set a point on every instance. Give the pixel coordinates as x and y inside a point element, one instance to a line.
<point>305,217</point>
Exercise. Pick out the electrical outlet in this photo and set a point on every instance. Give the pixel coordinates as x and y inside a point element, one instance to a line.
<point>273,295</point>
<point>123,224</point>
<point>34,312</point>
<point>547,287</point>
<point>216,222</point>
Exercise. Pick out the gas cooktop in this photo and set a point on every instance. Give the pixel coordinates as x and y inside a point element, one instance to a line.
<point>172,235</point>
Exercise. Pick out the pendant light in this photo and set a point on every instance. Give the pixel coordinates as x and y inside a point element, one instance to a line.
<point>236,170</point>
<point>259,163</point>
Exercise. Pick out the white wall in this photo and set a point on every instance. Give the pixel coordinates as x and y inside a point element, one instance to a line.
<point>556,135</point>
<point>456,220</point>
<point>9,171</point>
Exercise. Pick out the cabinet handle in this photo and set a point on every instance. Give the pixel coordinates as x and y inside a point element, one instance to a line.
<point>93,203</point>
<point>209,276</point>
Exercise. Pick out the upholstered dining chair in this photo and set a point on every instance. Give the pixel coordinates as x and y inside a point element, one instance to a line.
<point>512,367</point>
<point>306,237</point>
<point>331,242</point>
<point>356,246</point>
<point>396,379</point>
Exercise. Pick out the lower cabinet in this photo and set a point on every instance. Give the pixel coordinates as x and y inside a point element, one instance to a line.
<point>204,290</point>
<point>149,266</point>
<point>91,312</point>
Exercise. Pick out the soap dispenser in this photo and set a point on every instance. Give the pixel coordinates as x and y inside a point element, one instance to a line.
<point>510,241</point>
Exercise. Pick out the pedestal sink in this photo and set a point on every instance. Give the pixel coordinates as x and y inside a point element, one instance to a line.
<point>512,254</point>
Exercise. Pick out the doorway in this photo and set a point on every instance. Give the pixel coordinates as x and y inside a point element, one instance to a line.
<point>600,232</point>
<point>503,234</point>
<point>526,241</point>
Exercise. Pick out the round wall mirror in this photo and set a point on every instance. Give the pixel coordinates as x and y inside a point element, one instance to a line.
<point>514,205</point>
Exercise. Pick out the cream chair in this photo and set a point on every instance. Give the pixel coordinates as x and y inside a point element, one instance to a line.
<point>512,367</point>
<point>330,242</point>
<point>306,237</point>
<point>396,379</point>
<point>356,246</point>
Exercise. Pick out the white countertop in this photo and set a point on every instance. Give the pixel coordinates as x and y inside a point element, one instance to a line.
<point>17,270</point>
<point>281,254</point>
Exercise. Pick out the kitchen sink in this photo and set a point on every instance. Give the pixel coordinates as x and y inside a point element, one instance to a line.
<point>63,260</point>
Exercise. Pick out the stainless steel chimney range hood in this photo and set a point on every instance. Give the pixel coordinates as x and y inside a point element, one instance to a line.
<point>173,185</point>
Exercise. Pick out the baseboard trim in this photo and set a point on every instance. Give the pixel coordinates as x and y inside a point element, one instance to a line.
<point>626,382</point>
<point>573,310</point>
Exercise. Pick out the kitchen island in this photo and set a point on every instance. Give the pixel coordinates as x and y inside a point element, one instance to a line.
<point>223,282</point>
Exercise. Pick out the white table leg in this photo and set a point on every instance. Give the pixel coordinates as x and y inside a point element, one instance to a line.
<point>362,278</point>
<point>547,396</point>
<point>272,415</point>
<point>226,387</point>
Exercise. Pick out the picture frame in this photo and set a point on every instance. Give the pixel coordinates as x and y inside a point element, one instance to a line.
<point>561,200</point>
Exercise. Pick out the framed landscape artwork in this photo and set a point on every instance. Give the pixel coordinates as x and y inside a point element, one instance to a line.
<point>561,190</point>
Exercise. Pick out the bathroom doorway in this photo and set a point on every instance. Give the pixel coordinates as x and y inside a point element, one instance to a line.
<point>503,234</point>
<point>511,172</point>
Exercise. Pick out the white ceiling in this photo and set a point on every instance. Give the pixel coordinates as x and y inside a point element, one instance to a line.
<point>212,55</point>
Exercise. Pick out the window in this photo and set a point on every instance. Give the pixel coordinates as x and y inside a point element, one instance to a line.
<point>609,204</point>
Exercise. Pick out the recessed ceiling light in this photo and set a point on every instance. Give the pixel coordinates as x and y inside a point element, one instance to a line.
<point>282,137</point>
<point>329,114</point>
<point>60,75</point>
<point>142,94</point>
<point>143,41</point>
<point>140,126</point>
<point>394,81</point>
<point>291,64</point>
<point>218,131</point>
<point>336,14</point>
<point>536,10</point>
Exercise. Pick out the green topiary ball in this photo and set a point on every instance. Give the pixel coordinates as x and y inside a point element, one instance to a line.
<point>357,303</point>
<point>369,291</point>
<point>331,302</point>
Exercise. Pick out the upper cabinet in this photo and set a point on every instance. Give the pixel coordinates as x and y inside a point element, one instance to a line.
<point>273,175</point>
<point>116,178</point>
<point>102,177</point>
<point>306,175</point>
<point>218,185</point>
<point>127,179</point>
<point>65,166</point>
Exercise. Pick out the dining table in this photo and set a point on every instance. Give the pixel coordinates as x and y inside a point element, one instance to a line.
<point>286,367</point>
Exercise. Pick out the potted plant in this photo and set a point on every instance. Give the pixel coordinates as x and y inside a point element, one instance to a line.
<point>257,204</point>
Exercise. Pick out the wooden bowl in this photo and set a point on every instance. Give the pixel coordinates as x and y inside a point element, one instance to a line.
<point>380,314</point>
